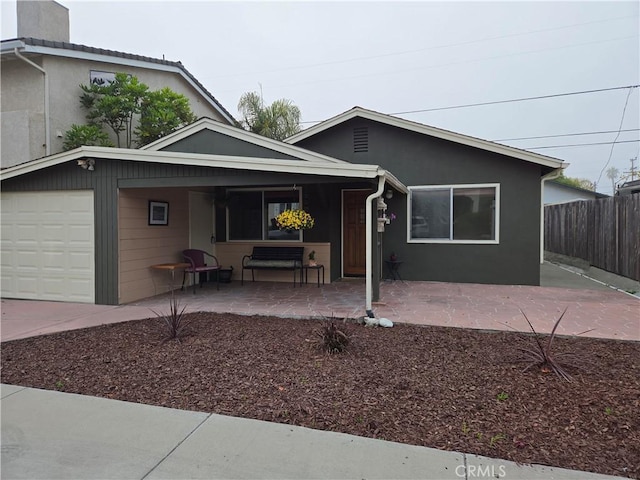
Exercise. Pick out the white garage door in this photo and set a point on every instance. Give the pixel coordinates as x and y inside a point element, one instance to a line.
<point>48,246</point>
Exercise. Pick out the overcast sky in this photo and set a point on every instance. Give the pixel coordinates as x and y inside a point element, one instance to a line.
<point>398,57</point>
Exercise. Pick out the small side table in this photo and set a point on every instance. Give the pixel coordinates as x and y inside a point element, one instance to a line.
<point>171,268</point>
<point>393,266</point>
<point>318,268</point>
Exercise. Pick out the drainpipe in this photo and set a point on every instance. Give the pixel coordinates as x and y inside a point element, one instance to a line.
<point>369,238</point>
<point>47,126</point>
<point>549,176</point>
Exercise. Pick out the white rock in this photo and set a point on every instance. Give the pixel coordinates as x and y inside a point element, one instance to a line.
<point>385,322</point>
<point>371,322</point>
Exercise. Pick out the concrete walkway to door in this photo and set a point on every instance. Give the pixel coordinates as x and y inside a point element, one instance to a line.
<point>596,311</point>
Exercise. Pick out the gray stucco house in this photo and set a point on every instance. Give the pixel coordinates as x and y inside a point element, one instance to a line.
<point>465,210</point>
<point>42,71</point>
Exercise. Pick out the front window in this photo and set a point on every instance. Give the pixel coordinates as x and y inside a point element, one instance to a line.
<point>454,213</point>
<point>252,214</point>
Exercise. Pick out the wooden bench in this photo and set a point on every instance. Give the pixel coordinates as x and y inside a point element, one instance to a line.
<point>273,258</point>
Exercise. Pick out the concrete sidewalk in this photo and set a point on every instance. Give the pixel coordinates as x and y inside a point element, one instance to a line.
<point>51,435</point>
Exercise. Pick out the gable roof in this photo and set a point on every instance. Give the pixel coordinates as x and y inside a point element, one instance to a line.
<point>72,50</point>
<point>239,134</point>
<point>278,165</point>
<point>359,112</point>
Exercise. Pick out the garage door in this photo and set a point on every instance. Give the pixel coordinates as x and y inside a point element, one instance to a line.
<point>48,246</point>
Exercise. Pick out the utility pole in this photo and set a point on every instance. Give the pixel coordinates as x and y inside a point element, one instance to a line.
<point>633,172</point>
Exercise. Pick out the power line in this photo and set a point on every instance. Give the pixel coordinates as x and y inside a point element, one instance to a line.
<point>580,145</point>
<point>566,135</point>
<point>515,100</point>
<point>504,101</point>
<point>624,110</point>
<point>435,47</point>
<point>450,64</point>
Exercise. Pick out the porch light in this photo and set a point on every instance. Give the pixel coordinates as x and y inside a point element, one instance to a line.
<point>87,164</point>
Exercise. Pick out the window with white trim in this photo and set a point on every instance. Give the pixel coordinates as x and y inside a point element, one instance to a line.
<point>252,214</point>
<point>454,213</point>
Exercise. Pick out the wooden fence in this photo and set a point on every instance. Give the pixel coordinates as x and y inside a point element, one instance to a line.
<point>605,232</point>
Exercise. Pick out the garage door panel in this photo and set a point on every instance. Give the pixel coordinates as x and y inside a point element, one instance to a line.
<point>48,245</point>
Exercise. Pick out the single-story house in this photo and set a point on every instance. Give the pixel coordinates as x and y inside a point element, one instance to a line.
<point>76,225</point>
<point>474,210</point>
<point>557,192</point>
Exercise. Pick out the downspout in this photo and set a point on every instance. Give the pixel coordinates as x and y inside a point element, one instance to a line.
<point>47,126</point>
<point>549,176</point>
<point>369,239</point>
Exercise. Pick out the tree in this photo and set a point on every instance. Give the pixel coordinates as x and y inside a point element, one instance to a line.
<point>576,182</point>
<point>115,104</point>
<point>126,101</point>
<point>162,112</point>
<point>612,174</point>
<point>79,135</point>
<point>279,120</point>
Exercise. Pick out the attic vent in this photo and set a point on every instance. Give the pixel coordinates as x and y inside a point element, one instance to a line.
<point>360,139</point>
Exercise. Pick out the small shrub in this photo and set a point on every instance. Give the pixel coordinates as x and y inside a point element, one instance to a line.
<point>542,356</point>
<point>175,322</point>
<point>333,339</point>
<point>502,396</point>
<point>496,438</point>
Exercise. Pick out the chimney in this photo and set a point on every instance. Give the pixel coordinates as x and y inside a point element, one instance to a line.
<point>45,20</point>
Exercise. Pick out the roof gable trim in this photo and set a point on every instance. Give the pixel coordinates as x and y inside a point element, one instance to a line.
<point>427,130</point>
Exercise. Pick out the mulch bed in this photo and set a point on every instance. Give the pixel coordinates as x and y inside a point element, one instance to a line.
<point>447,388</point>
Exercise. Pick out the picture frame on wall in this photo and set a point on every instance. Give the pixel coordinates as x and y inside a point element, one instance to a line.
<point>158,213</point>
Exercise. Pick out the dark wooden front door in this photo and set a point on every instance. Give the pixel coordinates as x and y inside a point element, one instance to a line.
<point>355,231</point>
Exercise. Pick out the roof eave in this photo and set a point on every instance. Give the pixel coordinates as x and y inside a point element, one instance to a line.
<point>345,169</point>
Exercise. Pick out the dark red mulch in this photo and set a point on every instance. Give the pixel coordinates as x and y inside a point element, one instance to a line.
<point>431,386</point>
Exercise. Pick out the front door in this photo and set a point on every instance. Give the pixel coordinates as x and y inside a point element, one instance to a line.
<point>355,232</point>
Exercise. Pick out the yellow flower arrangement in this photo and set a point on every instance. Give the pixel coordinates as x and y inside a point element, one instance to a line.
<point>294,220</point>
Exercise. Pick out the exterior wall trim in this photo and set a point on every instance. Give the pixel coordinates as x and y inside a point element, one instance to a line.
<point>496,241</point>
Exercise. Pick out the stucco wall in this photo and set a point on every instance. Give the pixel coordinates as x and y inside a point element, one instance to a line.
<point>23,91</point>
<point>22,106</point>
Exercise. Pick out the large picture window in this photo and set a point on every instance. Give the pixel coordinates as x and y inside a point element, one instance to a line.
<point>454,213</point>
<point>252,214</point>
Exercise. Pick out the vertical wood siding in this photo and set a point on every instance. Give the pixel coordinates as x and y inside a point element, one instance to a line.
<point>605,232</point>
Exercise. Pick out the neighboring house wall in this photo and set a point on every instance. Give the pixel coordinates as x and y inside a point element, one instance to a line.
<point>417,159</point>
<point>22,112</point>
<point>22,92</point>
<point>558,193</point>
